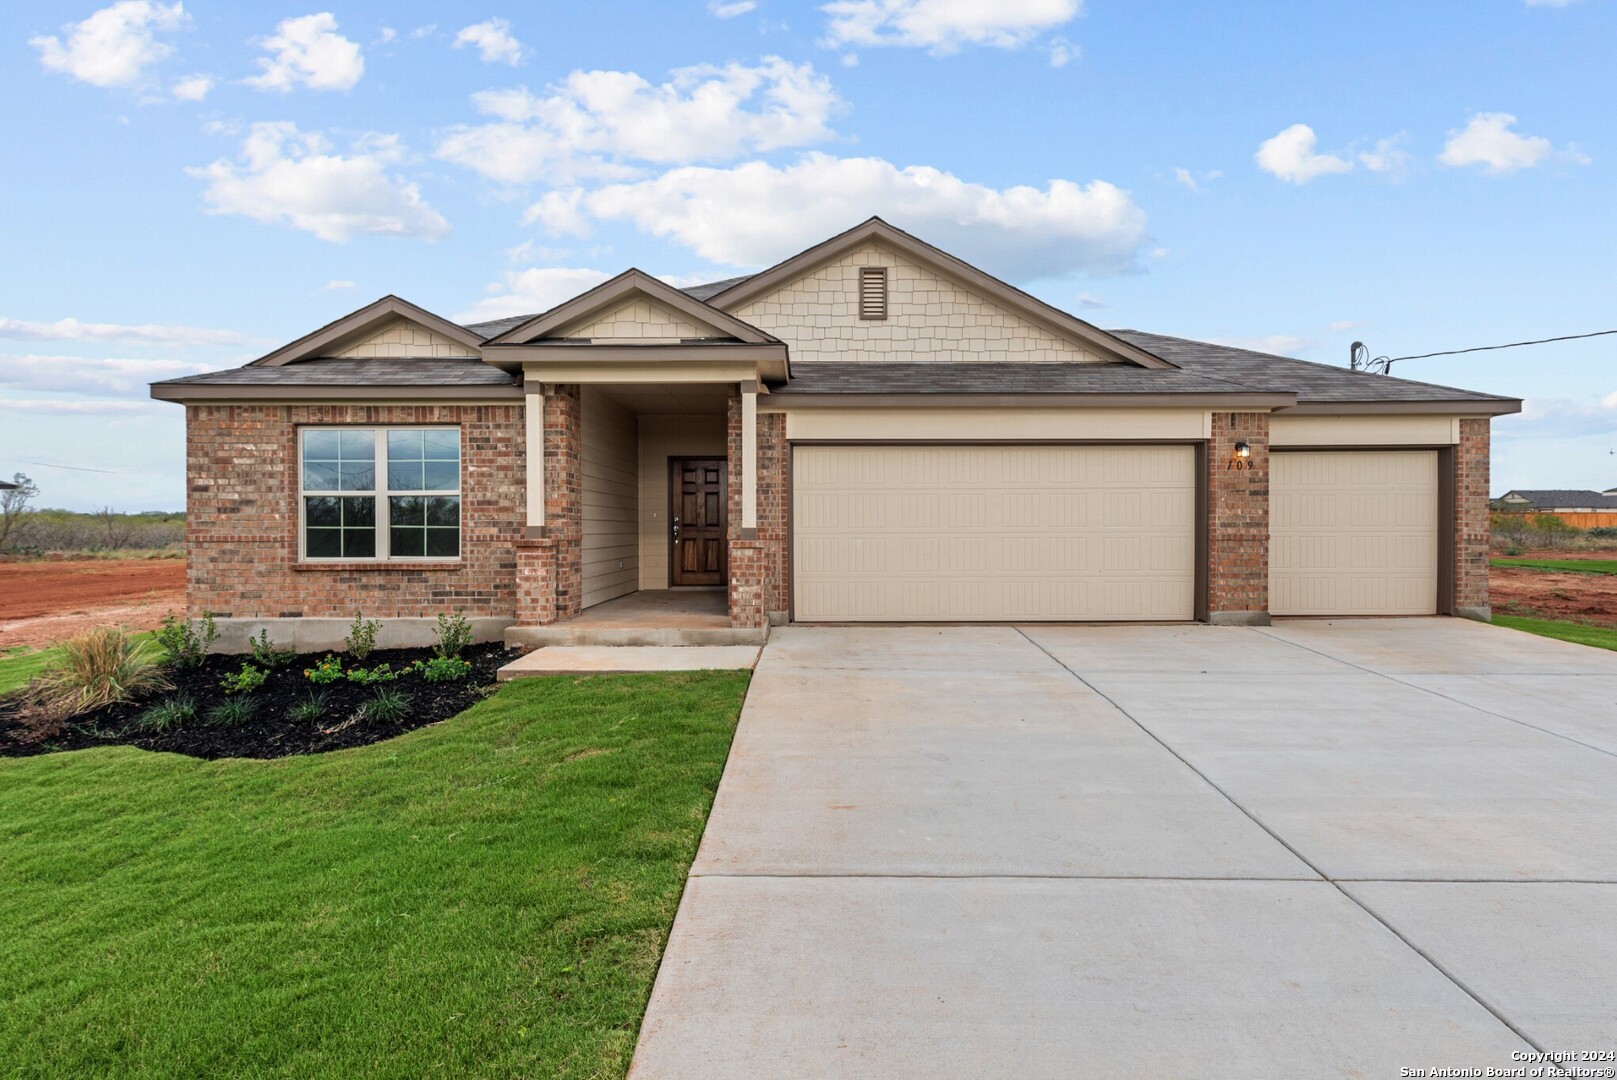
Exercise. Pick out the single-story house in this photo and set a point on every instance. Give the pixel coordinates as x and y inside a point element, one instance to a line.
<point>870,431</point>
<point>1581,508</point>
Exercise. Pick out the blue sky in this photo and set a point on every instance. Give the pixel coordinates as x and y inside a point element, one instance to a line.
<point>192,185</point>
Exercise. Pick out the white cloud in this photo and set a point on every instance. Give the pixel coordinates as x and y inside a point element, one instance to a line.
<point>1342,326</point>
<point>1488,141</point>
<point>284,176</point>
<point>494,42</point>
<point>74,330</point>
<point>1560,418</point>
<point>113,46</point>
<point>1388,155</point>
<point>308,51</point>
<point>1184,177</point>
<point>192,87</point>
<point>68,407</point>
<point>528,292</point>
<point>596,122</point>
<point>337,284</point>
<point>1089,302</point>
<point>1276,344</point>
<point>1290,156</point>
<point>1063,52</point>
<point>757,213</point>
<point>730,10</point>
<point>82,375</point>
<point>1551,3</point>
<point>944,26</point>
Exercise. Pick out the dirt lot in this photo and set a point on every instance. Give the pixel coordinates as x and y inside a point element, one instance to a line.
<point>1549,594</point>
<point>42,602</point>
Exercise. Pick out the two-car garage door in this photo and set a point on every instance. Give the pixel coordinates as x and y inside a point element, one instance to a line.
<point>993,532</point>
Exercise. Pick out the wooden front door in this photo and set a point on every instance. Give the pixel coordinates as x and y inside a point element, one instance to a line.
<point>699,521</point>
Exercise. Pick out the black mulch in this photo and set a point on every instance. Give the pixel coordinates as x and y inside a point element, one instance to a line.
<point>271,733</point>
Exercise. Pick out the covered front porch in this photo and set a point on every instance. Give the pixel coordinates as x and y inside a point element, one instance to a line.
<point>652,617</point>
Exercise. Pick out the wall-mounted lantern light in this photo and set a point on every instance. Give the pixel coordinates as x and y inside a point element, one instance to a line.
<point>1242,450</point>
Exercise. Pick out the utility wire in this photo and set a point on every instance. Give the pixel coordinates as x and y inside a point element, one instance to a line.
<point>1512,345</point>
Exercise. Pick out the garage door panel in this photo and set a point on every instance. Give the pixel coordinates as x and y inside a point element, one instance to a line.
<point>1353,533</point>
<point>993,533</point>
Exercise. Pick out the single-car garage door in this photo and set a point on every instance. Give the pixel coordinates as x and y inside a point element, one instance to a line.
<point>1353,532</point>
<point>993,533</point>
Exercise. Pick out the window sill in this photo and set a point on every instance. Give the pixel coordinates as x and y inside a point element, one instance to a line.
<point>350,565</point>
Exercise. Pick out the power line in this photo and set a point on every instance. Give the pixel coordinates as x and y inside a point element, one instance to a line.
<point>1359,355</point>
<point>75,468</point>
<point>1512,345</point>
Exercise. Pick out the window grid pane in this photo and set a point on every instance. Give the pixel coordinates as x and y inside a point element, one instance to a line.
<point>342,526</point>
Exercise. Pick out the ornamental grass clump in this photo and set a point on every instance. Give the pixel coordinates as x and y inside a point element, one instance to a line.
<point>94,670</point>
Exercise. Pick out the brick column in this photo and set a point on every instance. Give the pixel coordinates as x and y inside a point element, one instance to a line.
<point>758,561</point>
<point>1238,521</point>
<point>550,567</point>
<point>1471,525</point>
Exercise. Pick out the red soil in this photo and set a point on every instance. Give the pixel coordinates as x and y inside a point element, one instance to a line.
<point>1548,594</point>
<point>42,602</point>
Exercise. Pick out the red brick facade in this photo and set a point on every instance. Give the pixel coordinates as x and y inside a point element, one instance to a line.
<point>1238,516</point>
<point>242,517</point>
<point>242,537</point>
<point>758,584</point>
<point>1471,525</point>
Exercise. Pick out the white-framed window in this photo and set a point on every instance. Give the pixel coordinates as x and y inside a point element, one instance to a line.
<point>379,493</point>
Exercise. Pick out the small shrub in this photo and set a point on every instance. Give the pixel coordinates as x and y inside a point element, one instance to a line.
<point>381,673</point>
<point>174,712</point>
<point>361,639</point>
<point>244,681</point>
<point>187,641</point>
<point>326,671</point>
<point>1602,532</point>
<point>232,712</point>
<point>387,706</point>
<point>454,635</point>
<point>310,707</point>
<point>94,670</point>
<point>442,669</point>
<point>266,655</point>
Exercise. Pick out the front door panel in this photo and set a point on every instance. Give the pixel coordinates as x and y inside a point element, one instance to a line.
<point>698,521</point>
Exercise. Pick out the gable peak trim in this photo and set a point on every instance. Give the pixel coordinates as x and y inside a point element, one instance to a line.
<point>358,322</point>
<point>614,291</point>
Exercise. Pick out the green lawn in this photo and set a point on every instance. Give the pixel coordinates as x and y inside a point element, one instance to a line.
<point>1599,636</point>
<point>486,897</point>
<point>1577,566</point>
<point>19,665</point>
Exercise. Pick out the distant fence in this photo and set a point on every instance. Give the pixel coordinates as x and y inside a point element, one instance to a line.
<point>1579,519</point>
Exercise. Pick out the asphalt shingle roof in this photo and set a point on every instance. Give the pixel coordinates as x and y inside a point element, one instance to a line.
<point>496,327</point>
<point>1311,382</point>
<point>968,377</point>
<point>411,371</point>
<point>1551,498</point>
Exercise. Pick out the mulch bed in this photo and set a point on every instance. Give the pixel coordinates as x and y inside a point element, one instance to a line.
<point>270,733</point>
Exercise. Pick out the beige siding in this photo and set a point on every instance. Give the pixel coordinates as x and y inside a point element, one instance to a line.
<point>638,320</point>
<point>1364,430</point>
<point>401,337</point>
<point>942,425</point>
<point>945,533</point>
<point>608,461</point>
<point>929,318</point>
<point>662,437</point>
<point>1353,533</point>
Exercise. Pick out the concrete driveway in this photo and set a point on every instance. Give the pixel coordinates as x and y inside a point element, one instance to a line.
<point>1315,849</point>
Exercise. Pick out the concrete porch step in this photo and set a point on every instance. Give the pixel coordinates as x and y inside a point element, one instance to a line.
<point>533,637</point>
<point>619,659</point>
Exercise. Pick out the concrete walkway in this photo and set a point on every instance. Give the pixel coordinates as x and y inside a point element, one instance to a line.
<point>1314,849</point>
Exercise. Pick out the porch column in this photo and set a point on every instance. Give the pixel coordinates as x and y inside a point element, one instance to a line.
<point>534,443</point>
<point>749,458</point>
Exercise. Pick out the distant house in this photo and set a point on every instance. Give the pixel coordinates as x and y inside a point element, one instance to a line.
<point>6,485</point>
<point>1585,509</point>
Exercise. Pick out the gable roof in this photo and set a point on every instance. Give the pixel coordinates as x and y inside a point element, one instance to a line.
<point>941,262</point>
<point>617,289</point>
<point>357,323</point>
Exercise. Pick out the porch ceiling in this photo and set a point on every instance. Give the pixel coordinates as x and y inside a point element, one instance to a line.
<point>682,399</point>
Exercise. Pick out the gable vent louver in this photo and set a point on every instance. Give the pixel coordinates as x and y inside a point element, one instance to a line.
<point>873,292</point>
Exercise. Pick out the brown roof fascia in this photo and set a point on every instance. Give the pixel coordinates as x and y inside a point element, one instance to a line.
<point>194,393</point>
<point>610,292</point>
<point>357,322</point>
<point>1050,317</point>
